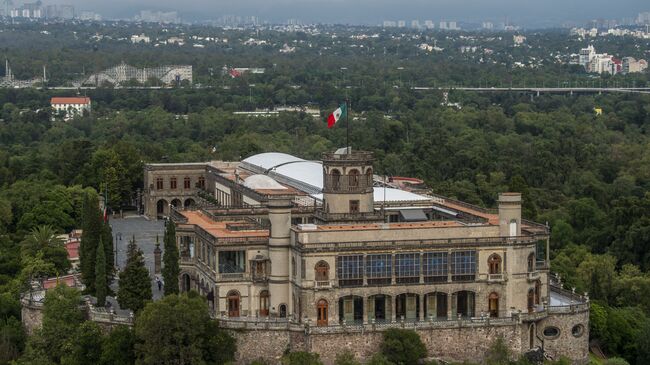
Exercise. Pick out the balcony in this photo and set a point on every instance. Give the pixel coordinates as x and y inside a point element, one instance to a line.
<point>235,276</point>
<point>322,284</point>
<point>533,275</point>
<point>497,278</point>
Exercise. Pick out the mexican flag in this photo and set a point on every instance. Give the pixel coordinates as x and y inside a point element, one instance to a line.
<point>336,115</point>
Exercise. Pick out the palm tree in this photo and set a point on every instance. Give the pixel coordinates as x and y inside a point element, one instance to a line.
<point>40,239</point>
<point>44,240</point>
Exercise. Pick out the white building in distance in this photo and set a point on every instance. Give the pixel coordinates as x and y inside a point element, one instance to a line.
<point>70,107</point>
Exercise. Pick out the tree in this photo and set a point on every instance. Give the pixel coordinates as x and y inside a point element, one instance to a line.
<point>61,319</point>
<point>498,353</point>
<point>378,359</point>
<point>301,358</point>
<point>119,347</point>
<point>135,284</point>
<point>85,347</point>
<point>643,346</point>
<point>178,330</point>
<point>101,286</point>
<point>45,240</point>
<point>403,347</point>
<point>170,270</point>
<point>346,358</point>
<point>90,236</point>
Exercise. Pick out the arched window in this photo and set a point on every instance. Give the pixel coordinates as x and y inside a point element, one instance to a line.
<point>186,182</point>
<point>354,178</point>
<point>172,183</point>
<point>538,291</point>
<point>513,228</point>
<point>321,312</point>
<point>283,311</point>
<point>494,264</point>
<point>293,267</point>
<point>531,300</point>
<point>322,271</point>
<point>264,303</point>
<point>531,262</point>
<point>233,303</point>
<point>494,305</point>
<point>369,180</point>
<point>159,183</point>
<point>336,179</point>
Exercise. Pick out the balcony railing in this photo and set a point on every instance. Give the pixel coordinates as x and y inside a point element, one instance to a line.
<point>417,244</point>
<point>323,284</point>
<point>533,275</point>
<point>236,276</point>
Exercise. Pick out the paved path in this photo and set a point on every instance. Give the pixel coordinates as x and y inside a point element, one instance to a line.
<point>145,232</point>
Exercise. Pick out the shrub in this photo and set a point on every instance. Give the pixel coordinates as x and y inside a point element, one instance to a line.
<point>403,347</point>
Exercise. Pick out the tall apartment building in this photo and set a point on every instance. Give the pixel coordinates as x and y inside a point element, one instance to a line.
<point>322,255</point>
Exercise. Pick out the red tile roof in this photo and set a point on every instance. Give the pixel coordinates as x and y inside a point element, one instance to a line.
<point>70,100</point>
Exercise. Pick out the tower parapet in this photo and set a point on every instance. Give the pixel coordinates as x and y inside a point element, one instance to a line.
<point>348,186</point>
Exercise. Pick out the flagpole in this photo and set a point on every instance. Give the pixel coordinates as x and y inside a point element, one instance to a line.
<point>347,121</point>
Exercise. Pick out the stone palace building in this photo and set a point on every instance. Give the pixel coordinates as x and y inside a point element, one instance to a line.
<point>325,255</point>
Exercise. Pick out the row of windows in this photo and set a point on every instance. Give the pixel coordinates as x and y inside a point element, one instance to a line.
<point>406,267</point>
<point>173,183</point>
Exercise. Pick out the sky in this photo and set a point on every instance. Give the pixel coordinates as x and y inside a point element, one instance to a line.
<point>374,11</point>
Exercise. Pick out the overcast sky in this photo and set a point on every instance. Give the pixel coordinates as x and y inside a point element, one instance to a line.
<point>374,11</point>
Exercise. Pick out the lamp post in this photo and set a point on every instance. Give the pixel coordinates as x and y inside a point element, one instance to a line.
<point>118,237</point>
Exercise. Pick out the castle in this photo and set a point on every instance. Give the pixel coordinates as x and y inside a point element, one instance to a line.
<point>325,255</point>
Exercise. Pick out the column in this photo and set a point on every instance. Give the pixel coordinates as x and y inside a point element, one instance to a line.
<point>449,301</point>
<point>421,311</point>
<point>366,309</point>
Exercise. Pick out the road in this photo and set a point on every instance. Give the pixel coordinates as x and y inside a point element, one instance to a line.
<point>545,90</point>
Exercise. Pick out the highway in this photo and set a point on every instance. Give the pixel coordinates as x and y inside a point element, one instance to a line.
<point>545,90</point>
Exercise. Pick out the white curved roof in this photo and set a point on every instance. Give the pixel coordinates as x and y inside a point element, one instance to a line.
<point>305,171</point>
<point>296,170</point>
<point>392,195</point>
<point>271,159</point>
<point>262,182</point>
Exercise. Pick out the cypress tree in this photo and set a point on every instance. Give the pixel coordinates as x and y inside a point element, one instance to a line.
<point>135,284</point>
<point>170,269</point>
<point>107,240</point>
<point>101,287</point>
<point>92,231</point>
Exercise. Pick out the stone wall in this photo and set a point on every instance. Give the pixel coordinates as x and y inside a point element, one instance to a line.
<point>569,343</point>
<point>32,317</point>
<point>453,343</point>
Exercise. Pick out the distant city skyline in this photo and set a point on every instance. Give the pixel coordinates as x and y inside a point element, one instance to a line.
<point>372,12</point>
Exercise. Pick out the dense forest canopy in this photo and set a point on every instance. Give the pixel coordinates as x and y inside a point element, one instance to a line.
<point>586,175</point>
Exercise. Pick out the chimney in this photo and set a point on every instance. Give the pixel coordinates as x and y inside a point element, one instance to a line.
<point>510,214</point>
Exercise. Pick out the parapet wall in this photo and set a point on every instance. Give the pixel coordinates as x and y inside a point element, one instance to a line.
<point>456,343</point>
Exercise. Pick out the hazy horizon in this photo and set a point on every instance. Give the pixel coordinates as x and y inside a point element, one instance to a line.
<point>374,11</point>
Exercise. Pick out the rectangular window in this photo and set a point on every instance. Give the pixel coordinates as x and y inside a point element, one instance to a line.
<point>187,183</point>
<point>407,268</point>
<point>303,269</point>
<point>172,183</point>
<point>354,206</point>
<point>350,270</point>
<point>463,265</point>
<point>202,182</point>
<point>159,183</point>
<point>379,269</point>
<point>231,262</point>
<point>434,267</point>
